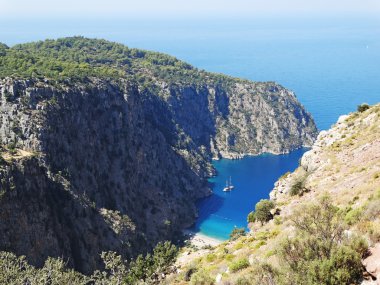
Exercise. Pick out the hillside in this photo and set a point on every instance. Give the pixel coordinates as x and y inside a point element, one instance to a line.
<point>322,222</point>
<point>231,117</point>
<point>121,142</point>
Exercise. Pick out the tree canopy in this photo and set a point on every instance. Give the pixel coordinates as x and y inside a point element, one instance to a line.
<point>76,58</point>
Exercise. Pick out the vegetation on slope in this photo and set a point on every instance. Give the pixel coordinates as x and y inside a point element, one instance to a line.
<point>146,269</point>
<point>320,233</point>
<point>320,250</point>
<point>76,58</point>
<point>231,110</point>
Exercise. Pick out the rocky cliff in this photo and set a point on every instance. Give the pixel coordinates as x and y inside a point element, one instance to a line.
<point>108,148</point>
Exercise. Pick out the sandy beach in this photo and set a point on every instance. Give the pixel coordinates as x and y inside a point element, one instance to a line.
<point>201,240</point>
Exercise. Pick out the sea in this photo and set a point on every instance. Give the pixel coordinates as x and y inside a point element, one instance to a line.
<point>331,63</point>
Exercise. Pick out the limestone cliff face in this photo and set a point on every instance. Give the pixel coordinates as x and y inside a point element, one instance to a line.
<point>117,164</point>
<point>244,118</point>
<point>41,217</point>
<point>105,143</point>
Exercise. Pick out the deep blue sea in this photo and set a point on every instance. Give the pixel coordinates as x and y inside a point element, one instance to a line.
<point>253,177</point>
<point>332,64</point>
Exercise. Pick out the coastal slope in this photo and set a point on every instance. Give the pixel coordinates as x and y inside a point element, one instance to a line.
<point>336,189</point>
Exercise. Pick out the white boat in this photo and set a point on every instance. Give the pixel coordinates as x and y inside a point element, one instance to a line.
<point>229,186</point>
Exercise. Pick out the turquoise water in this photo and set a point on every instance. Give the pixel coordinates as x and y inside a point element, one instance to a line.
<point>253,178</point>
<point>331,64</point>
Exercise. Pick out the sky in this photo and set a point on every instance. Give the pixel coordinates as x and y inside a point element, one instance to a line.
<point>14,9</point>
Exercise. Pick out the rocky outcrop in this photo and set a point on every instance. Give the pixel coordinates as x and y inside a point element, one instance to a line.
<point>244,119</point>
<point>343,157</point>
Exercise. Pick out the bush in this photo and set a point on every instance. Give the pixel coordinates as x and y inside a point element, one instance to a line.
<point>363,107</point>
<point>144,269</point>
<point>210,257</point>
<point>251,218</point>
<point>321,253</point>
<point>236,233</point>
<point>260,274</point>
<point>298,187</point>
<point>239,264</point>
<point>16,270</point>
<point>353,216</point>
<point>148,267</point>
<point>201,277</point>
<point>262,212</point>
<point>343,267</point>
<point>277,220</point>
<point>164,254</point>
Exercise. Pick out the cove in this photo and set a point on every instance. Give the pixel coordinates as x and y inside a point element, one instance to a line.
<point>253,178</point>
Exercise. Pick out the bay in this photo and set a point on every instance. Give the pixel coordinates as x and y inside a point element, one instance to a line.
<point>253,178</point>
<point>332,65</point>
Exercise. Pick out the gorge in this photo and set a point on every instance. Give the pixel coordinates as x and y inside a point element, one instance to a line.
<point>108,148</point>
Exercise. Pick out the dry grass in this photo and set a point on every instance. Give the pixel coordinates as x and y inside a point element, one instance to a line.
<point>348,170</point>
<point>16,154</point>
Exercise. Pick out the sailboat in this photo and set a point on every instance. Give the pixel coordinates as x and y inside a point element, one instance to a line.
<point>229,186</point>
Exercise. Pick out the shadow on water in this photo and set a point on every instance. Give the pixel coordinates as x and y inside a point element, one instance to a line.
<point>207,207</point>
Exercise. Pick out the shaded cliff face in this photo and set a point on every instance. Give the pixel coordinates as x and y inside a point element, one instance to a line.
<point>244,118</point>
<point>227,117</point>
<point>104,142</point>
<point>41,217</point>
<point>130,153</point>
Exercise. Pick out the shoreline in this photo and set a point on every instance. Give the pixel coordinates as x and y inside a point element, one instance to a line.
<point>201,240</point>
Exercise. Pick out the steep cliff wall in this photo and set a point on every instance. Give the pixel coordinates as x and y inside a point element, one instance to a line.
<point>41,217</point>
<point>128,138</point>
<point>245,118</point>
<point>103,142</point>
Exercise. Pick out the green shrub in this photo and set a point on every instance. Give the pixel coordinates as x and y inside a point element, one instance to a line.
<point>239,264</point>
<point>363,107</point>
<point>201,277</point>
<point>260,244</point>
<point>210,257</point>
<point>260,274</point>
<point>16,270</point>
<point>353,216</point>
<point>236,233</point>
<point>320,252</point>
<point>251,218</point>
<point>342,267</point>
<point>262,212</point>
<point>277,220</point>
<point>144,269</point>
<point>298,187</point>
